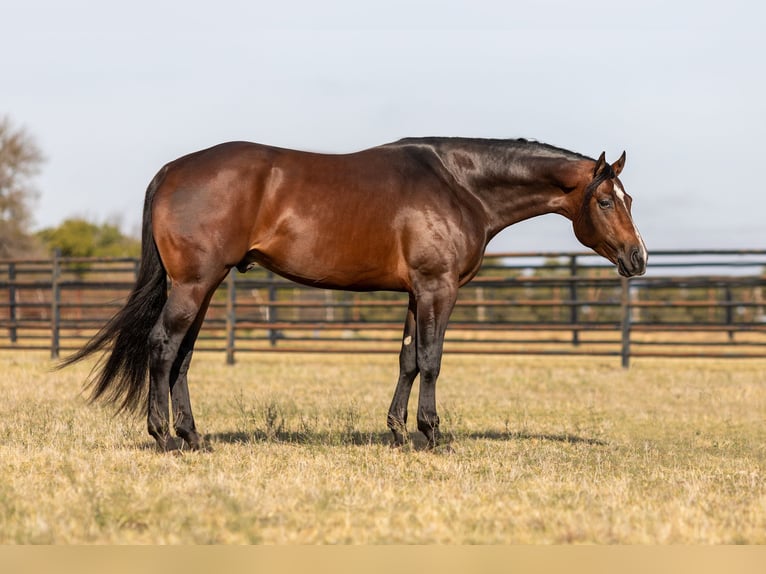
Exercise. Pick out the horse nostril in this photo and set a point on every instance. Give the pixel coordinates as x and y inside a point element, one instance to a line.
<point>636,259</point>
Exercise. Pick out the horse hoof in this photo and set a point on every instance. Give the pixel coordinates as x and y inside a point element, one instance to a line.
<point>170,444</point>
<point>200,446</point>
<point>399,440</point>
<point>192,442</point>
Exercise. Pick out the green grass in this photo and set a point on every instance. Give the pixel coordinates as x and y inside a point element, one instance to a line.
<point>540,450</point>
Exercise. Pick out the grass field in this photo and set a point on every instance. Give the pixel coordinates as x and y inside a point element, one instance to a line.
<point>541,450</point>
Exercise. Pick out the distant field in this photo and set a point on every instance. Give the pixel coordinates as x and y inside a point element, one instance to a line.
<point>541,450</point>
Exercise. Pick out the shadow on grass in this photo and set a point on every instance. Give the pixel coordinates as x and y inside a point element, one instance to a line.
<point>526,435</point>
<point>417,440</point>
<point>294,437</point>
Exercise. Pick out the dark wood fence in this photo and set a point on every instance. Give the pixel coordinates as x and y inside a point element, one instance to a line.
<point>691,303</point>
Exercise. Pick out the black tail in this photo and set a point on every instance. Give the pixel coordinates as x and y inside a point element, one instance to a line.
<point>121,376</point>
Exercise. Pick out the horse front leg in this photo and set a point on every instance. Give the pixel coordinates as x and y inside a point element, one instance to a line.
<point>408,370</point>
<point>434,307</point>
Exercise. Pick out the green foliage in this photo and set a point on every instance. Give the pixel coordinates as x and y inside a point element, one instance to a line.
<point>81,238</point>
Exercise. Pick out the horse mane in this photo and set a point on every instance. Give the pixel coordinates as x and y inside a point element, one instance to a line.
<point>521,145</point>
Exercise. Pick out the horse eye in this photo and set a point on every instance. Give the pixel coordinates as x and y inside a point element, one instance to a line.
<point>604,203</point>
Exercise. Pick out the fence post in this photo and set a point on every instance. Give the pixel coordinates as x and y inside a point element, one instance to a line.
<point>272,309</point>
<point>329,299</point>
<point>55,304</point>
<point>626,320</point>
<point>574,310</point>
<point>481,309</point>
<point>12,301</point>
<point>729,310</point>
<point>231,316</point>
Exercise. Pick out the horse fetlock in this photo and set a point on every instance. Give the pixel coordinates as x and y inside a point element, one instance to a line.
<point>165,441</point>
<point>190,437</point>
<point>429,426</point>
<point>170,444</point>
<point>398,423</point>
<point>398,427</point>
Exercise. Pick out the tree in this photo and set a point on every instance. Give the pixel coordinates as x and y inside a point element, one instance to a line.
<point>80,238</point>
<point>20,160</point>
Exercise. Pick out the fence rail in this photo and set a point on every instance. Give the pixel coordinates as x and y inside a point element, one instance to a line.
<point>691,304</point>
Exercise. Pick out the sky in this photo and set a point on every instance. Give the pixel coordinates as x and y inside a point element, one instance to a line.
<point>112,91</point>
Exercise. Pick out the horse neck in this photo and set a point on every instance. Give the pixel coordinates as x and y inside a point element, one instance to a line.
<point>517,182</point>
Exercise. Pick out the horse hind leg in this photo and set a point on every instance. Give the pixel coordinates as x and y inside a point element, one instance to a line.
<point>166,339</point>
<point>183,419</point>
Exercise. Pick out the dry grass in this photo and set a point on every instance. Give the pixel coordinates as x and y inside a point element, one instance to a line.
<point>541,450</point>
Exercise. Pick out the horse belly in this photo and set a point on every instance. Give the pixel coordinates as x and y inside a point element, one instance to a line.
<point>333,254</point>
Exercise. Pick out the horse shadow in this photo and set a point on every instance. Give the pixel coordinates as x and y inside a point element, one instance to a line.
<point>417,441</point>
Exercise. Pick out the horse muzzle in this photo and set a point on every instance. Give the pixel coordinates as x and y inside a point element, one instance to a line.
<point>632,262</point>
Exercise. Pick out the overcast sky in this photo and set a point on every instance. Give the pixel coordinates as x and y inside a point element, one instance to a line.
<point>111,91</point>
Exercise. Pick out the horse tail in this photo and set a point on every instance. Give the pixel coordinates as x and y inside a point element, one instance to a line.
<point>120,377</point>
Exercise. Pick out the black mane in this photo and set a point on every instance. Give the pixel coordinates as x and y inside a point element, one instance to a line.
<point>520,144</point>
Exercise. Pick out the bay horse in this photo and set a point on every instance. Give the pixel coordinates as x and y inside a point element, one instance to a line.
<point>413,216</point>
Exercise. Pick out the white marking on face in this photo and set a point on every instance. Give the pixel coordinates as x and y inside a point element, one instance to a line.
<point>620,193</point>
<point>408,340</point>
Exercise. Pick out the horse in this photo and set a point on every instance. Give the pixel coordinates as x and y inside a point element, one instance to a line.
<point>411,216</point>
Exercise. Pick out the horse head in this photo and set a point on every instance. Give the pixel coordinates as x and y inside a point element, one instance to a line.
<point>604,222</point>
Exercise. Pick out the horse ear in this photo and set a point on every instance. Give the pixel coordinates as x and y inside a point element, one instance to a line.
<point>619,164</point>
<point>600,164</point>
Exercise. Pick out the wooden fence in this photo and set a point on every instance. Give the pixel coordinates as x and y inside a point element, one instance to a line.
<point>690,304</point>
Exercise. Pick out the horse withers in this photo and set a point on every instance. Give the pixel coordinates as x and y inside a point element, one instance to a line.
<point>415,215</point>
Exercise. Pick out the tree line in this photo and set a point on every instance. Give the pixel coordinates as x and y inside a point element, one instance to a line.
<point>21,159</point>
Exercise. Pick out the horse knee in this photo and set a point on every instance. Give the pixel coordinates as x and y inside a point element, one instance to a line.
<point>429,372</point>
<point>408,370</point>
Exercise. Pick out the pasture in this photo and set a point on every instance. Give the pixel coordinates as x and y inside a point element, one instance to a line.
<point>539,450</point>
